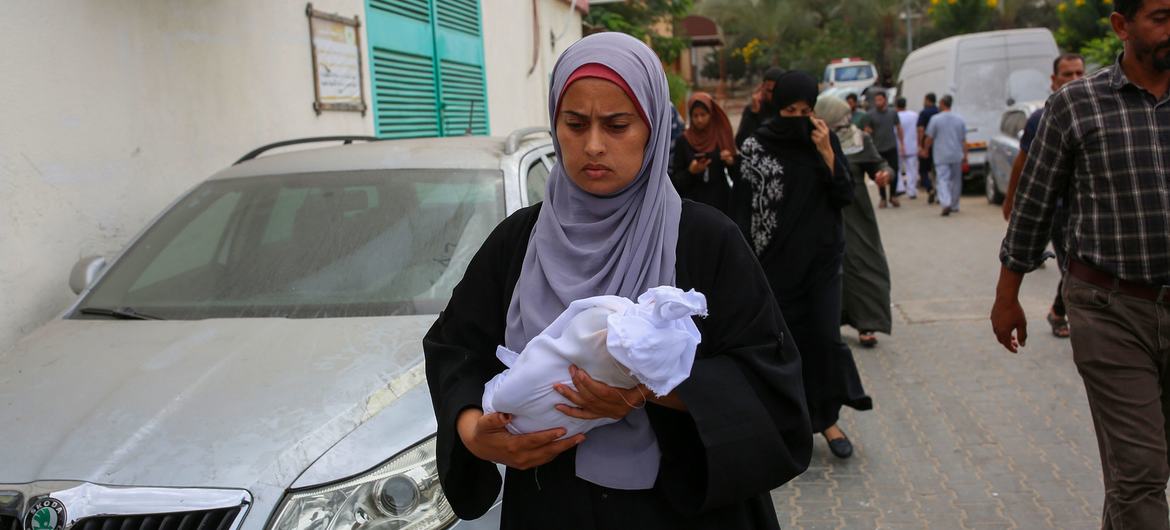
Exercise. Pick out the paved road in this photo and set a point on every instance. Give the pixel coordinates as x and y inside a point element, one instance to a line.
<point>963,434</point>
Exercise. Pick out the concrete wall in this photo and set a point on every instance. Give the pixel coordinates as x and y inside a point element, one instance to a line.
<point>515,97</point>
<point>111,108</point>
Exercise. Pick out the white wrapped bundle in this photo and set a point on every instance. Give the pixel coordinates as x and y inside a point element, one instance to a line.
<point>616,341</point>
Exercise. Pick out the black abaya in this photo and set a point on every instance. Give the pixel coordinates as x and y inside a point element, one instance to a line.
<point>801,243</point>
<point>712,186</point>
<point>746,430</point>
<point>865,302</point>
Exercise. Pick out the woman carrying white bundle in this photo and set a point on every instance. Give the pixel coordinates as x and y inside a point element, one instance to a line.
<point>703,456</point>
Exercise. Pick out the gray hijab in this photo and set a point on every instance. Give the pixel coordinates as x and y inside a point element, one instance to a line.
<point>584,245</point>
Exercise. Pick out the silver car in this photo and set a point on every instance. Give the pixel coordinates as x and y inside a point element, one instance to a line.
<point>1004,147</point>
<point>253,359</point>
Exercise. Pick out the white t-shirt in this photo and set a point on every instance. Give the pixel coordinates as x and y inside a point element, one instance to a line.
<point>909,121</point>
<point>616,341</point>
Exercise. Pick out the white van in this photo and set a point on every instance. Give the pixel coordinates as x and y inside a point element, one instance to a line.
<point>985,73</point>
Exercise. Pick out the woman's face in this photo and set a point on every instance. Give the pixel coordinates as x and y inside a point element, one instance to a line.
<point>700,117</point>
<point>800,109</point>
<point>602,136</point>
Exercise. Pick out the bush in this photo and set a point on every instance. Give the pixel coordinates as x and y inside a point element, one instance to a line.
<point>678,88</point>
<point>1102,51</point>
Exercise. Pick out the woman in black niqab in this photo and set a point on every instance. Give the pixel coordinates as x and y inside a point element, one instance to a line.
<point>800,182</point>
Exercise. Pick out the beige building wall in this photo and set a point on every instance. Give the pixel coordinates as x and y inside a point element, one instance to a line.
<point>517,98</point>
<point>112,108</point>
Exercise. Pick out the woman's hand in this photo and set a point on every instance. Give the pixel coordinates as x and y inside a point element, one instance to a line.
<point>594,399</point>
<point>487,438</point>
<point>758,98</point>
<point>882,178</point>
<point>820,137</point>
<point>727,156</point>
<point>699,165</point>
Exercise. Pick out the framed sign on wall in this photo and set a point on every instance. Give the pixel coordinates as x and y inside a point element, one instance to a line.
<point>336,45</point>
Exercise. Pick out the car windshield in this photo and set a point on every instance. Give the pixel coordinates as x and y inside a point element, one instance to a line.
<point>853,73</point>
<point>314,245</point>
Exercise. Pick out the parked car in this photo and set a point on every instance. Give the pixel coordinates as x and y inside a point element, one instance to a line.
<point>1004,147</point>
<point>985,73</point>
<point>851,73</point>
<point>253,359</point>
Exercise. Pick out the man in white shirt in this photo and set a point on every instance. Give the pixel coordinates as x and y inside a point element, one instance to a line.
<point>908,155</point>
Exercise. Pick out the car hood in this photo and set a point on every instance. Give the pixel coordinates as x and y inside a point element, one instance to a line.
<point>211,403</point>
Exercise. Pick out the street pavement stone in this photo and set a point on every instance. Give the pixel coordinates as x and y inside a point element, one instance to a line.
<point>963,435</point>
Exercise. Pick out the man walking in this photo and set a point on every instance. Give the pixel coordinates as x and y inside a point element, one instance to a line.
<point>760,109</point>
<point>925,162</point>
<point>887,138</point>
<point>908,156</point>
<point>1104,144</point>
<point>856,115</point>
<point>946,137</point>
<point>1067,67</point>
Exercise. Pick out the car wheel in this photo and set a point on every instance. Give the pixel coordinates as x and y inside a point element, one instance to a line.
<point>994,196</point>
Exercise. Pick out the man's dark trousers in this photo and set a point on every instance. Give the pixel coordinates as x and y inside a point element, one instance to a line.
<point>1121,346</point>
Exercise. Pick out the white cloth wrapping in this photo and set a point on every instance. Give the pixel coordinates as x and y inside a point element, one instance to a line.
<point>616,341</point>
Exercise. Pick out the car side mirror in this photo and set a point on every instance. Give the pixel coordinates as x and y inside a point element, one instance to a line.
<point>85,272</point>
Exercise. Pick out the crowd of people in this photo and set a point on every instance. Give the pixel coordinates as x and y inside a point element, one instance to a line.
<point>780,235</point>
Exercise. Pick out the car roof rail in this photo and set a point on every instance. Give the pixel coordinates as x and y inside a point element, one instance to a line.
<point>513,141</point>
<point>343,139</point>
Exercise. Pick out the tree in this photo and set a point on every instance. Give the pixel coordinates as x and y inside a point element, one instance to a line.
<point>639,17</point>
<point>1082,21</point>
<point>956,17</point>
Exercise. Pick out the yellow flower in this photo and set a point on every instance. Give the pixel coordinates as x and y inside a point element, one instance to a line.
<point>933,2</point>
<point>1079,3</point>
<point>1107,2</point>
<point>1062,7</point>
<point>993,3</point>
<point>952,2</point>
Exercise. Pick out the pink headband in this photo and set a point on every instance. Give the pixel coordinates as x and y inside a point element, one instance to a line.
<point>601,71</point>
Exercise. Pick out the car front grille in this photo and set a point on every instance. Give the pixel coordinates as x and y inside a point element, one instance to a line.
<point>9,523</point>
<point>218,519</point>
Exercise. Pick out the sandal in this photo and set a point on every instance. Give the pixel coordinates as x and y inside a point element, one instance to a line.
<point>867,339</point>
<point>1059,325</point>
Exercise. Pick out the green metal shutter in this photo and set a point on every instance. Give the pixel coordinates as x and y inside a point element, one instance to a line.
<point>462,84</point>
<point>427,67</point>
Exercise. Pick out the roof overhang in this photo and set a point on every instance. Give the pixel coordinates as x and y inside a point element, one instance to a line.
<point>702,31</point>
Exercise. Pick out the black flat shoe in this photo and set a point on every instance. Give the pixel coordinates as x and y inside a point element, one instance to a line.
<point>841,447</point>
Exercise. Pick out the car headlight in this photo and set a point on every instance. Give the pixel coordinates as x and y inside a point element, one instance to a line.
<point>402,494</point>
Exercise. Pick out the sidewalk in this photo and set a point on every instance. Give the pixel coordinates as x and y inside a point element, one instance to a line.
<point>963,433</point>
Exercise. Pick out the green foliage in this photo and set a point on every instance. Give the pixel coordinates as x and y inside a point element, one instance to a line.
<point>733,67</point>
<point>956,17</point>
<point>678,88</point>
<point>837,39</point>
<point>1102,51</point>
<point>637,17</point>
<point>1082,21</point>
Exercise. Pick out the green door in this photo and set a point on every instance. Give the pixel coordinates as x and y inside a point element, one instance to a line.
<point>427,73</point>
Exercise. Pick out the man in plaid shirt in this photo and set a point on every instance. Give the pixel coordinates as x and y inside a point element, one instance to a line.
<point>1104,146</point>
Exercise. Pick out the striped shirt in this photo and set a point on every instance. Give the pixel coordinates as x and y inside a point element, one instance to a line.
<point>1104,145</point>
